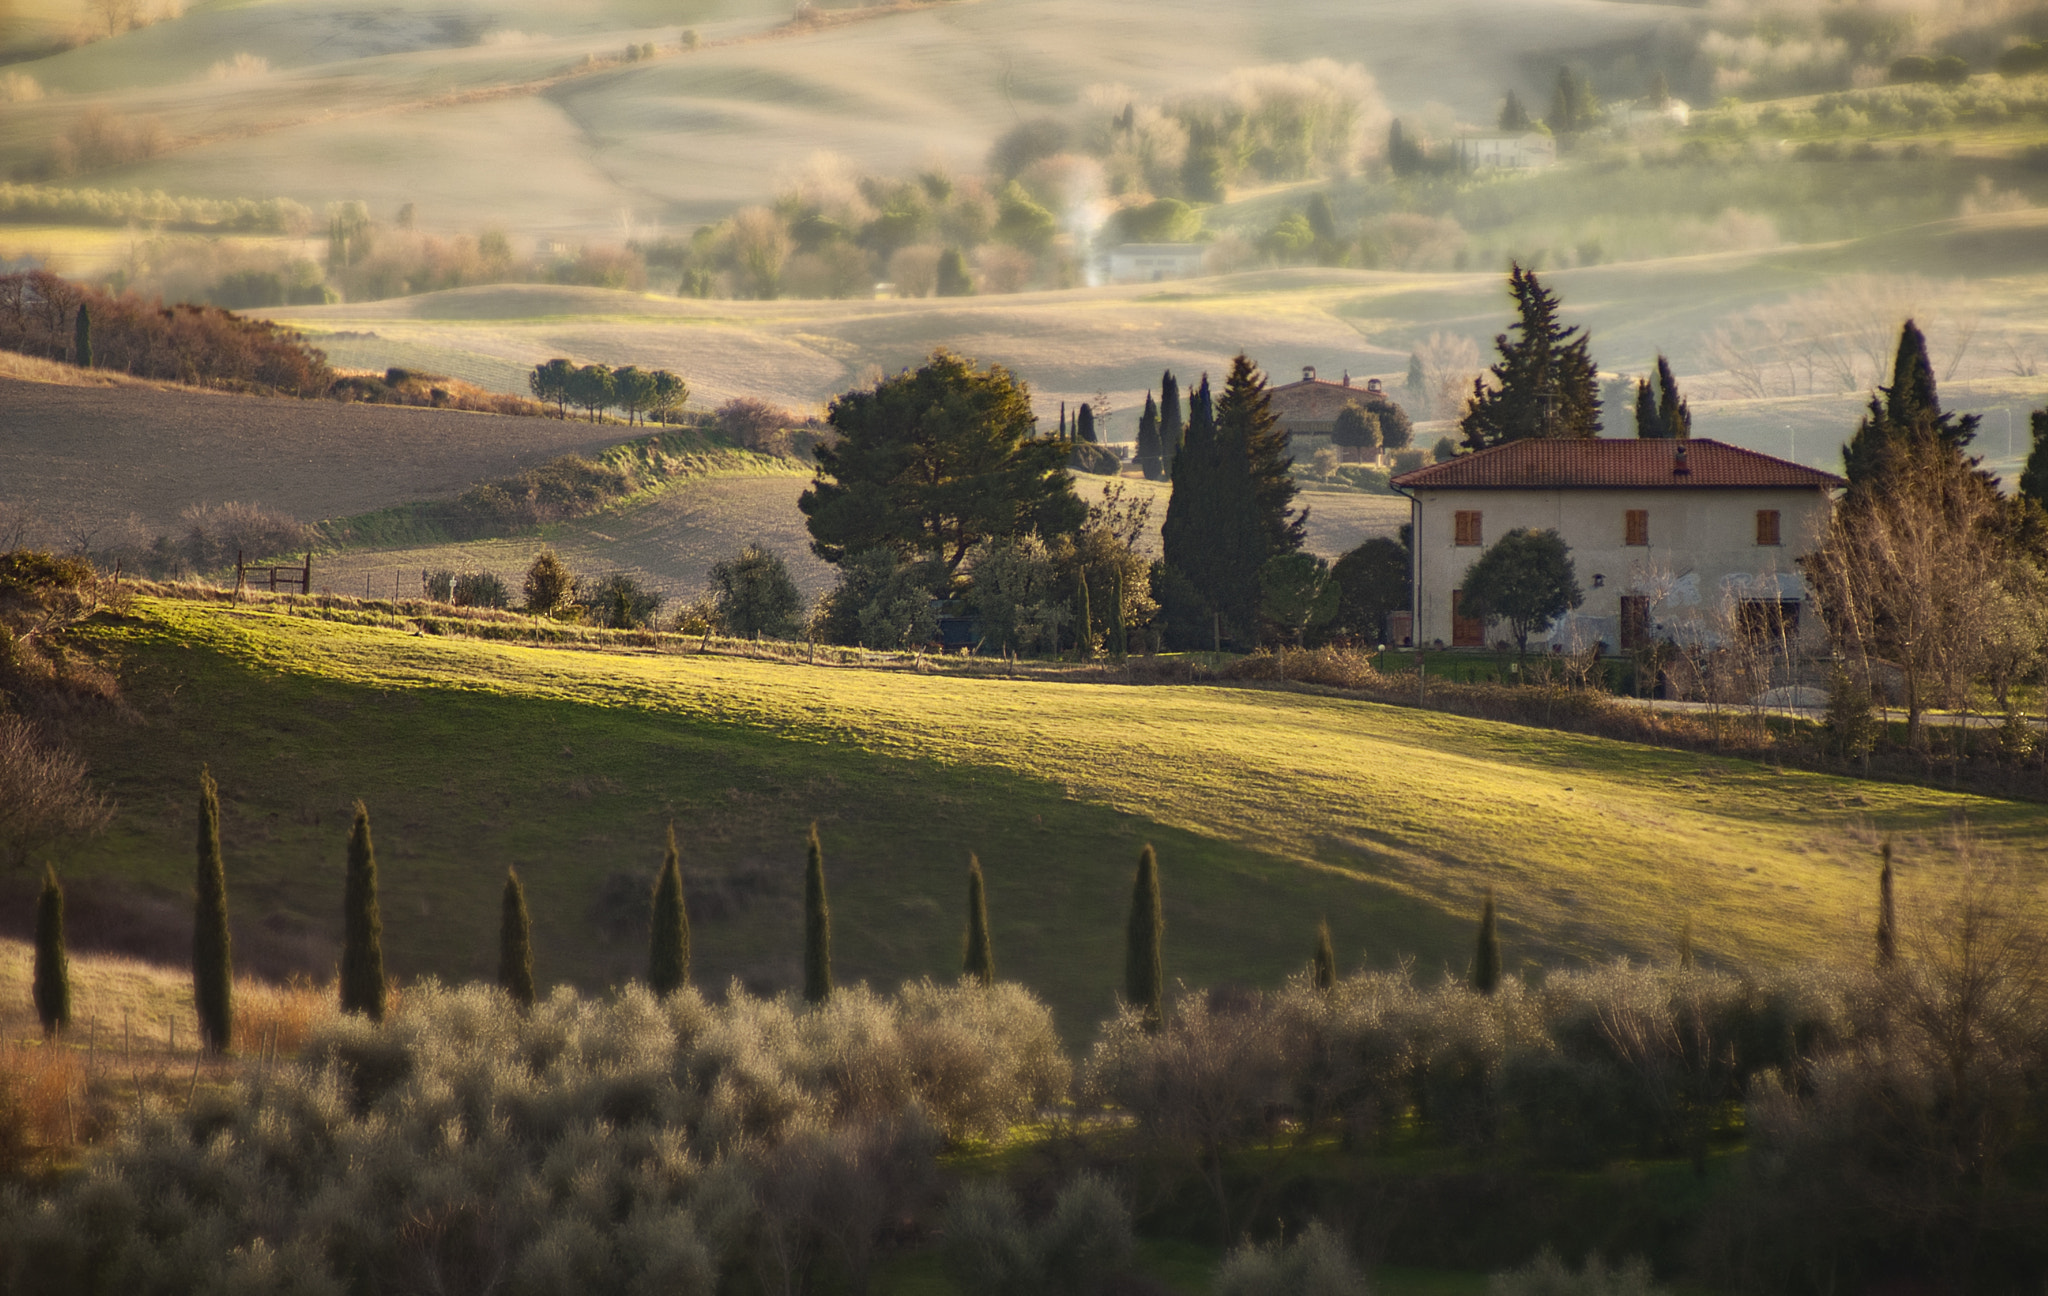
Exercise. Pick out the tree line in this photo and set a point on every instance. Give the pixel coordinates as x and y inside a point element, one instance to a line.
<point>594,388</point>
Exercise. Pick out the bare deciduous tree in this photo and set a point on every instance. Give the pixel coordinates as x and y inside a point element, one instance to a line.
<point>45,795</point>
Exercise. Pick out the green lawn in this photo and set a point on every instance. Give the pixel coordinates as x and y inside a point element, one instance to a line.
<point>1270,810</point>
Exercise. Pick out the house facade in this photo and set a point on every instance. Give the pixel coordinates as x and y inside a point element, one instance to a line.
<point>1154,262</point>
<point>1686,540</point>
<point>1531,152</point>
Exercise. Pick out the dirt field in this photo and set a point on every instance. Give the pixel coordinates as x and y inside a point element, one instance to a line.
<point>97,457</point>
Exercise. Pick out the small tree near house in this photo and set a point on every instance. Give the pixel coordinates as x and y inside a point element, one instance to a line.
<point>1525,579</point>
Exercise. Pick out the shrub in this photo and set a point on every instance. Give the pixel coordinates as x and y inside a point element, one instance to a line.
<point>755,597</point>
<point>480,589</point>
<point>45,795</point>
<point>437,586</point>
<point>756,425</point>
<point>881,602</point>
<point>619,603</point>
<point>216,533</point>
<point>548,584</point>
<point>1315,1263</point>
<point>1547,1275</point>
<point>1082,1248</point>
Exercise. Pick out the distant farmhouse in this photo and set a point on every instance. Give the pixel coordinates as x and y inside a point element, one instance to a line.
<point>1152,262</point>
<point>1648,112</point>
<point>1670,539</point>
<point>1530,152</point>
<point>1309,408</point>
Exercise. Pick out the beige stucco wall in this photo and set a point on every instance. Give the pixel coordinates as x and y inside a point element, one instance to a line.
<point>1702,555</point>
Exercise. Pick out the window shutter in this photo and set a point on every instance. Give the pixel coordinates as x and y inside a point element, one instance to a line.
<point>1767,527</point>
<point>1638,527</point>
<point>1467,530</point>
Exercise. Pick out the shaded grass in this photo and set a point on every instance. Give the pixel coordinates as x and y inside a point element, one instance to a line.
<point>1270,810</point>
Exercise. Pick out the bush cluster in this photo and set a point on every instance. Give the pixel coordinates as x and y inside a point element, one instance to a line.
<point>31,202</point>
<point>632,1145</point>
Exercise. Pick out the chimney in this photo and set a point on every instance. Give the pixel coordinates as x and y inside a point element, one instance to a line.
<point>1308,373</point>
<point>1678,465</point>
<point>1347,377</point>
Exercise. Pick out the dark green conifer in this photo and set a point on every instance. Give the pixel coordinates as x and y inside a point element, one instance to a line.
<point>1171,426</point>
<point>1084,626</point>
<point>1084,423</point>
<point>1647,425</point>
<point>515,943</point>
<point>668,944</point>
<point>1887,916</point>
<point>213,963</point>
<point>1906,414</point>
<point>1144,968</point>
<point>81,337</point>
<point>1674,415</point>
<point>2034,479</point>
<point>817,926</point>
<point>1149,459</point>
<point>1545,383</point>
<point>362,928</point>
<point>980,964</point>
<point>52,988</point>
<point>1325,963</point>
<point>1486,958</point>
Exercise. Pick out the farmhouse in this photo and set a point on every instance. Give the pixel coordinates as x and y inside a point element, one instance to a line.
<point>1309,408</point>
<point>1531,152</point>
<point>1152,262</point>
<point>1670,539</point>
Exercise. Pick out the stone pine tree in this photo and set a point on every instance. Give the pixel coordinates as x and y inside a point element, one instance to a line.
<point>980,964</point>
<point>81,337</point>
<point>1661,413</point>
<point>1324,965</point>
<point>52,987</point>
<point>515,943</point>
<point>1887,916</point>
<point>1150,461</point>
<point>1171,425</point>
<point>817,926</point>
<point>668,942</point>
<point>1545,383</point>
<point>362,928</point>
<point>213,963</point>
<point>1144,969</point>
<point>1904,417</point>
<point>1486,957</point>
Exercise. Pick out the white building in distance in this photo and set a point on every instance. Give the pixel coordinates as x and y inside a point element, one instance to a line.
<point>1531,152</point>
<point>1152,262</point>
<point>1669,539</point>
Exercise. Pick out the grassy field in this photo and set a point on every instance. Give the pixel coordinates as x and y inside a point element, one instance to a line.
<point>1270,810</point>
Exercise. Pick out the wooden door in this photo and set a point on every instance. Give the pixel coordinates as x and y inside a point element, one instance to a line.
<point>1466,631</point>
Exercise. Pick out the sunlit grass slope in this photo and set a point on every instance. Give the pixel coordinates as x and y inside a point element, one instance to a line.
<point>1270,810</point>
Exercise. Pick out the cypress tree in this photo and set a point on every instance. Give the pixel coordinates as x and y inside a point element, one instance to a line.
<point>1887,916</point>
<point>1545,383</point>
<point>1648,426</point>
<point>1246,492</point>
<point>52,988</point>
<point>1325,962</point>
<point>1418,381</point>
<point>2034,479</point>
<point>980,963</point>
<point>213,962</point>
<point>1486,958</point>
<point>1084,423</point>
<point>1144,971</point>
<point>1171,426</point>
<point>81,337</point>
<point>817,926</point>
<point>1149,458</point>
<point>1513,116</point>
<point>515,943</point>
<point>1674,415</point>
<point>362,929</point>
<point>668,944</point>
<point>1119,633</point>
<point>1084,630</point>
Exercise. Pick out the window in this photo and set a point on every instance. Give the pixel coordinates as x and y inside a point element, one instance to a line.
<point>1637,526</point>
<point>1763,620</point>
<point>1466,631</point>
<point>1767,527</point>
<point>1467,528</point>
<point>1635,622</point>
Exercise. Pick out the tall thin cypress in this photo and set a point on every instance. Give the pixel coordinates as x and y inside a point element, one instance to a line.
<point>515,943</point>
<point>1144,969</point>
<point>1486,958</point>
<point>980,963</point>
<point>1887,916</point>
<point>1325,963</point>
<point>1170,424</point>
<point>817,926</point>
<point>668,945</point>
<point>52,987</point>
<point>213,959</point>
<point>362,929</point>
<point>1148,452</point>
<point>1084,631</point>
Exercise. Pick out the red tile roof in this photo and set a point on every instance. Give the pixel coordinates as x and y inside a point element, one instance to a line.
<point>1616,463</point>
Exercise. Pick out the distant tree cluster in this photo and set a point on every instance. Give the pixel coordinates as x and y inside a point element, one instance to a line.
<point>593,388</point>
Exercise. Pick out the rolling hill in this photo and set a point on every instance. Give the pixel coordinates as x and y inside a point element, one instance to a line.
<point>1270,810</point>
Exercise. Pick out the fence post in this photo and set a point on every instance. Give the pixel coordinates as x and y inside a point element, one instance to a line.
<point>241,574</point>
<point>306,576</point>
